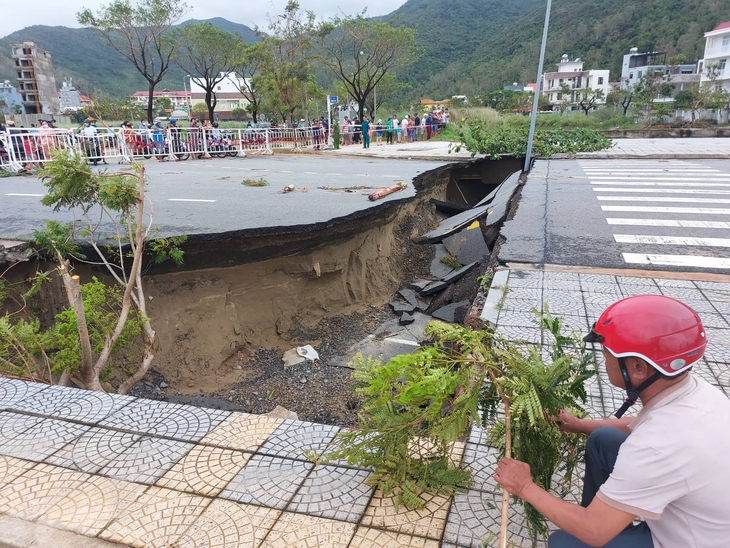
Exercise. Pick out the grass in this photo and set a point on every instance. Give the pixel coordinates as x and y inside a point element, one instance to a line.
<point>255,182</point>
<point>451,262</point>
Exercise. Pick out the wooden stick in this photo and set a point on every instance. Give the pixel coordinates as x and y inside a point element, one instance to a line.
<point>505,495</point>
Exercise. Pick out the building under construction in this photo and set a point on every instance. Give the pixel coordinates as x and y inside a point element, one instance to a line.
<point>37,83</point>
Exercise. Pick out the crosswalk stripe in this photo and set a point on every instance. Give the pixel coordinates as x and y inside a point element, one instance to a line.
<point>662,190</point>
<point>655,209</point>
<point>671,240</point>
<point>596,171</point>
<point>679,223</point>
<point>655,183</point>
<point>663,199</point>
<point>677,260</point>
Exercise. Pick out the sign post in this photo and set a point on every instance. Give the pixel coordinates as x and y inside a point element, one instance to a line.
<point>331,100</point>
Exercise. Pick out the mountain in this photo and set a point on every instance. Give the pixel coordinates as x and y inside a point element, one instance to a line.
<point>472,46</point>
<point>81,54</point>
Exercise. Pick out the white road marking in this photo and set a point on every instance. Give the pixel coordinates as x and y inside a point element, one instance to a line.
<point>286,171</point>
<point>677,260</point>
<point>671,240</point>
<point>710,176</point>
<point>14,194</point>
<point>662,190</point>
<point>663,199</point>
<point>188,200</point>
<point>403,341</point>
<point>651,209</point>
<point>226,167</point>
<point>335,174</point>
<point>679,223</point>
<point>309,172</point>
<point>656,183</point>
<point>596,171</point>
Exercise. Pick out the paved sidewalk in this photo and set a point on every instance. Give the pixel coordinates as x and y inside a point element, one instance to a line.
<point>691,148</point>
<point>152,474</point>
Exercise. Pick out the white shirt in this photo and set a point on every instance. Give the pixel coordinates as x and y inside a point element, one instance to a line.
<point>673,468</point>
<point>89,131</point>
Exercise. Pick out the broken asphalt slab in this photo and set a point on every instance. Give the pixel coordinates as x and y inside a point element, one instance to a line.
<point>453,313</point>
<point>467,246</point>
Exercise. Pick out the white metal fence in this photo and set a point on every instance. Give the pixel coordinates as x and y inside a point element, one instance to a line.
<point>22,149</point>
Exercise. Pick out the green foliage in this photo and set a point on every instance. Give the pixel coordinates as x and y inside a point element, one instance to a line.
<point>56,236</point>
<point>255,182</point>
<point>168,248</point>
<point>451,262</point>
<point>101,305</point>
<point>506,139</point>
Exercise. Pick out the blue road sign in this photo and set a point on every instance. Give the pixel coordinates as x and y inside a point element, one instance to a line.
<point>333,99</point>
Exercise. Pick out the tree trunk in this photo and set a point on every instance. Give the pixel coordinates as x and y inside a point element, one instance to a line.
<point>150,103</point>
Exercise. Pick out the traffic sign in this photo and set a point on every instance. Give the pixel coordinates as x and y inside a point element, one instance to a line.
<point>333,99</point>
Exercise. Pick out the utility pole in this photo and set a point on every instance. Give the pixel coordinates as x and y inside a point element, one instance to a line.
<point>533,117</point>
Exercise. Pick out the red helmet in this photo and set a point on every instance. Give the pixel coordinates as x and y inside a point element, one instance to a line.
<point>662,331</point>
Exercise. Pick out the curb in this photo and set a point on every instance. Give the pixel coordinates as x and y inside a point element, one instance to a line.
<point>497,290</point>
<point>18,533</point>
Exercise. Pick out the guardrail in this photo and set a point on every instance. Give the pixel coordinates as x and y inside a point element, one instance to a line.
<point>29,149</point>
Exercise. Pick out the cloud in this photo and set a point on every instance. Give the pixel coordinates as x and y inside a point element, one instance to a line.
<point>53,12</point>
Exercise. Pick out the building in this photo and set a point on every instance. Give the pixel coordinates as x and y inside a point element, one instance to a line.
<point>179,99</point>
<point>579,83</point>
<point>636,66</point>
<point>715,64</point>
<point>11,101</point>
<point>36,80</point>
<point>70,98</point>
<point>227,93</point>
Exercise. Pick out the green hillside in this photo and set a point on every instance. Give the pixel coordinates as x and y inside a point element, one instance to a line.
<point>81,54</point>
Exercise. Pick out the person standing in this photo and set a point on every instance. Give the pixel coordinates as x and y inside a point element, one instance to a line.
<point>365,132</point>
<point>389,132</point>
<point>379,133</point>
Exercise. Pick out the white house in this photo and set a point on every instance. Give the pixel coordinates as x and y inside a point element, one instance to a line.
<point>637,65</point>
<point>717,54</point>
<point>580,82</point>
<point>227,92</point>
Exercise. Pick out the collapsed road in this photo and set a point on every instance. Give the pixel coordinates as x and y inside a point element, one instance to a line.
<point>246,295</point>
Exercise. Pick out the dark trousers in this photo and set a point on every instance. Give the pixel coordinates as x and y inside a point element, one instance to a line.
<point>601,452</point>
<point>365,140</point>
<point>389,137</point>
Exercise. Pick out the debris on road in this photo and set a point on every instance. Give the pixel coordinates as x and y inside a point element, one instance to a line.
<point>386,192</point>
<point>289,188</point>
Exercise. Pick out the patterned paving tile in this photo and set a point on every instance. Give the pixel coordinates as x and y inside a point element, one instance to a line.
<point>205,470</point>
<point>632,280</point>
<point>717,295</point>
<point>628,290</point>
<point>147,460</point>
<point>520,305</point>
<point>563,302</point>
<point>524,293</point>
<point>226,524</point>
<point>722,374</point>
<point>139,416</point>
<point>188,423</point>
<point>294,438</point>
<point>477,436</point>
<point>518,318</point>
<point>425,522</point>
<point>365,537</point>
<point>45,402</point>
<point>525,278</point>
<point>475,516</point>
<point>13,390</point>
<point>716,321</point>
<point>703,305</point>
<point>297,530</point>
<point>520,334</point>
<point>718,336</point>
<point>10,468</point>
<point>93,450</point>
<point>683,284</point>
<point>91,407</point>
<point>481,461</point>
<point>559,280</point>
<point>717,353</point>
<point>42,440</point>
<point>683,293</point>
<point>267,481</point>
<point>159,518</point>
<point>30,494</point>
<point>333,492</point>
<point>713,286</point>
<point>90,507</point>
<point>13,425</point>
<point>599,283</point>
<point>242,431</point>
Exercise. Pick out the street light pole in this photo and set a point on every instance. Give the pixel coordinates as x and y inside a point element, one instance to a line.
<point>185,92</point>
<point>533,117</point>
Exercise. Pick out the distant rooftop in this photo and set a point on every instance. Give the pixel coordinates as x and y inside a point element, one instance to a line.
<point>725,25</point>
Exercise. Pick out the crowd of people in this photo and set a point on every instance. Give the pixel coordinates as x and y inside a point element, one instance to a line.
<point>410,128</point>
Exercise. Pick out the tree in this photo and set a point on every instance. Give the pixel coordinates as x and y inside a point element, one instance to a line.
<point>163,105</point>
<point>565,97</point>
<point>200,110</point>
<point>285,60</point>
<point>589,98</point>
<point>102,201</point>
<point>361,51</point>
<point>621,97</point>
<point>140,33</point>
<point>209,54</point>
<point>249,67</point>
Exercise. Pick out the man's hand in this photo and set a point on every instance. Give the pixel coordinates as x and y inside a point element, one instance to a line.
<point>514,476</point>
<point>569,423</point>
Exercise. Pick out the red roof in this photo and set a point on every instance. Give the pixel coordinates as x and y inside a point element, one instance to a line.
<point>725,25</point>
<point>158,93</point>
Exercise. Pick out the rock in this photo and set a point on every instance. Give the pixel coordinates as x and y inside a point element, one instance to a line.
<point>467,246</point>
<point>303,380</point>
<point>291,357</point>
<point>412,298</point>
<point>280,412</point>
<point>406,319</point>
<point>400,308</point>
<point>458,274</point>
<point>237,367</point>
<point>453,313</point>
<point>434,287</point>
<point>163,384</point>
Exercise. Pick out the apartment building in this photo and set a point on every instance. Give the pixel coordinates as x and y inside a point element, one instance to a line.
<point>579,82</point>
<point>36,80</point>
<point>714,65</point>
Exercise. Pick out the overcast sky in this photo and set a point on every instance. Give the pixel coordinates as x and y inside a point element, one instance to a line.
<point>17,15</point>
